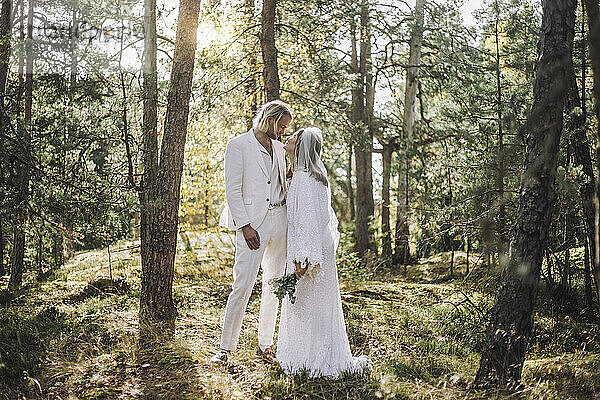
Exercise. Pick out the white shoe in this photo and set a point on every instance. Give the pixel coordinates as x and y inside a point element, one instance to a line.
<point>221,357</point>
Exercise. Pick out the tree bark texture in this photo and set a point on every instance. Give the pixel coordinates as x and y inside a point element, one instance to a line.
<point>1,247</point>
<point>57,250</point>
<point>581,150</point>
<point>5,48</point>
<point>147,193</point>
<point>365,206</point>
<point>501,229</point>
<point>5,51</point>
<point>73,47</point>
<point>402,248</point>
<point>593,17</point>
<point>269,51</point>
<point>157,275</point>
<point>386,244</point>
<point>511,319</point>
<point>349,183</point>
<point>22,179</point>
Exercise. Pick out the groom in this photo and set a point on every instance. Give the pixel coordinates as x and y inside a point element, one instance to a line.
<point>255,189</point>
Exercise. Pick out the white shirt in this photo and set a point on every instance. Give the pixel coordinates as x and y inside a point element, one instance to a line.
<point>277,193</point>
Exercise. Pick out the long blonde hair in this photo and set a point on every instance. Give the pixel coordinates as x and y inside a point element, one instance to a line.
<point>275,109</point>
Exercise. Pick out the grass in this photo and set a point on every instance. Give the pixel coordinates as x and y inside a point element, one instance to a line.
<point>75,335</point>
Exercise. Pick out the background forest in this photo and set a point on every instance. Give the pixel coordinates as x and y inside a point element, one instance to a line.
<point>462,167</point>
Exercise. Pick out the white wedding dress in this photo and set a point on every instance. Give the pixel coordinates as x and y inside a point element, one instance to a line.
<point>312,331</point>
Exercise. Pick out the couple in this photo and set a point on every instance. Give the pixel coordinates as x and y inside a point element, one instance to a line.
<point>280,227</point>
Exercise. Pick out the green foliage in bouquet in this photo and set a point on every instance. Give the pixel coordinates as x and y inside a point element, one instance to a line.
<point>285,285</point>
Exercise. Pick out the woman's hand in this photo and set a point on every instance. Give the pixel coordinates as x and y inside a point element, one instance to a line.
<point>299,270</point>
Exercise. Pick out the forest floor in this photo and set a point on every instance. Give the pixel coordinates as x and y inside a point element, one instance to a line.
<point>62,339</point>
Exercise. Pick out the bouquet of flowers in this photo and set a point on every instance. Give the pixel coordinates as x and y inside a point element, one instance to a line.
<point>285,285</point>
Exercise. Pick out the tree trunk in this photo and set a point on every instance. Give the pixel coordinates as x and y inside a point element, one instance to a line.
<point>565,279</point>
<point>549,268</point>
<point>365,206</point>
<point>402,249</point>
<point>349,183</point>
<point>73,48</point>
<point>148,188</point>
<point>501,229</point>
<point>511,319</point>
<point>157,274</point>
<point>40,252</point>
<point>581,150</point>
<point>593,13</point>
<point>1,247</point>
<point>587,274</point>
<point>385,204</point>
<point>269,51</point>
<point>5,47</point>
<point>67,241</point>
<point>57,250</point>
<point>468,251</point>
<point>18,251</point>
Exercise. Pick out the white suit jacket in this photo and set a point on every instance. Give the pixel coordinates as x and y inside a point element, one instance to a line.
<point>248,181</point>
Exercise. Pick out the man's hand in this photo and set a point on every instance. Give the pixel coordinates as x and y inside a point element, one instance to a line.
<point>299,270</point>
<point>251,236</point>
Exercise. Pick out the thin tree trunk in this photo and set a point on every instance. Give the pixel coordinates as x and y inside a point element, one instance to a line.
<point>511,318</point>
<point>40,251</point>
<point>73,49</point>
<point>450,200</point>
<point>351,200</point>
<point>402,248</point>
<point>147,193</point>
<point>401,231</point>
<point>468,251</point>
<point>67,242</point>
<point>565,278</point>
<point>206,209</point>
<point>269,51</point>
<point>5,48</point>
<point>593,14</point>
<point>157,275</point>
<point>501,229</point>
<point>18,251</point>
<point>549,268</point>
<point>1,247</point>
<point>57,250</point>
<point>125,119</point>
<point>385,195</point>
<point>581,150</point>
<point>587,274</point>
<point>365,206</point>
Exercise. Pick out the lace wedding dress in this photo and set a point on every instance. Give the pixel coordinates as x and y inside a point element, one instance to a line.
<point>312,331</point>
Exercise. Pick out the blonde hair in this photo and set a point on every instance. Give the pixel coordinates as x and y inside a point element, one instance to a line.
<point>275,109</point>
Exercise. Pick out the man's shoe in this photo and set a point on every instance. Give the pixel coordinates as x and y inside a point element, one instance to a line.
<point>221,357</point>
<point>267,355</point>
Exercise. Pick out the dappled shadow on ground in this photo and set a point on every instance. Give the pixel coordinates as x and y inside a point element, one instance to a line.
<point>166,368</point>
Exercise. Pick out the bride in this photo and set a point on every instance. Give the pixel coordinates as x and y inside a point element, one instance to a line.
<point>312,331</point>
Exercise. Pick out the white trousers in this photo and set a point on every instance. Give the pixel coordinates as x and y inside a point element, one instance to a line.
<point>271,256</point>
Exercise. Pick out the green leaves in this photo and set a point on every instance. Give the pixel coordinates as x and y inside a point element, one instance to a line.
<point>285,285</point>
